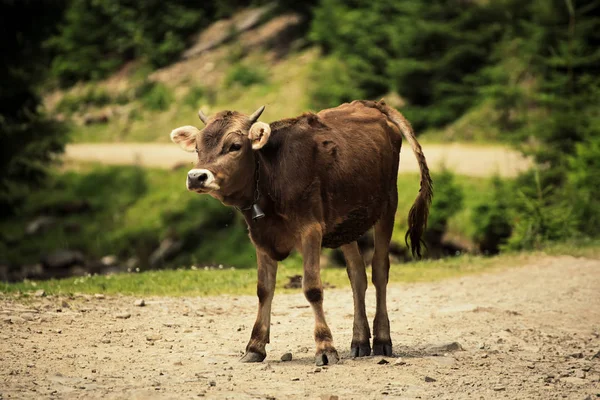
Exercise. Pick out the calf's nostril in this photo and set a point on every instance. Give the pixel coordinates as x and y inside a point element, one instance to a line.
<point>202,177</point>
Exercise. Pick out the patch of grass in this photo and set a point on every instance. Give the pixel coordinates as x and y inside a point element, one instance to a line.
<point>460,226</point>
<point>193,96</point>
<point>473,127</point>
<point>155,96</point>
<point>245,75</point>
<point>130,210</point>
<point>92,96</point>
<point>189,282</point>
<point>285,96</point>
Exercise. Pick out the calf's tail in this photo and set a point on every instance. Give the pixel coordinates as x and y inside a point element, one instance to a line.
<point>417,216</point>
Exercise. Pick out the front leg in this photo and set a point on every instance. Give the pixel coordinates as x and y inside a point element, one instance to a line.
<point>265,289</point>
<point>313,290</point>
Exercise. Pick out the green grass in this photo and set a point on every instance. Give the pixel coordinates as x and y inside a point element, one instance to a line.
<point>243,87</point>
<point>132,209</point>
<point>460,225</point>
<point>475,126</point>
<point>189,282</point>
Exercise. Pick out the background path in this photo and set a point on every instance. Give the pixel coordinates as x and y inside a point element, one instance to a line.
<point>470,160</point>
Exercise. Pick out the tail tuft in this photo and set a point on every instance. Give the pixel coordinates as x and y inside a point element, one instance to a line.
<point>419,212</point>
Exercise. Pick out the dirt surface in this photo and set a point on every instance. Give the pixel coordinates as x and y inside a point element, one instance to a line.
<point>467,160</point>
<point>530,332</point>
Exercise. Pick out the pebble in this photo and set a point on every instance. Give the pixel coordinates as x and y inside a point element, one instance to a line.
<point>28,316</point>
<point>105,341</point>
<point>399,361</point>
<point>286,357</point>
<point>383,361</point>
<point>444,348</point>
<point>99,296</point>
<point>40,293</point>
<point>303,350</point>
<point>153,337</point>
<point>499,388</point>
<point>123,315</point>
<point>317,370</point>
<point>139,303</point>
<point>430,379</point>
<point>580,374</point>
<point>15,320</point>
<point>573,381</point>
<point>295,379</point>
<point>212,383</point>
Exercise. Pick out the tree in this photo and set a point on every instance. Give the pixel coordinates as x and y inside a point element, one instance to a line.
<point>29,140</point>
<point>548,105</point>
<point>427,51</point>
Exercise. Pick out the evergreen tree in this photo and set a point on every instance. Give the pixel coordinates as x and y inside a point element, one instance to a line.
<point>428,51</point>
<point>548,106</point>
<point>29,140</point>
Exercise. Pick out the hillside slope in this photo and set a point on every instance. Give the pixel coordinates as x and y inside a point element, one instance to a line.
<point>267,62</point>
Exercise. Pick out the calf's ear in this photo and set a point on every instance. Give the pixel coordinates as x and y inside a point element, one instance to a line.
<point>185,137</point>
<point>259,134</point>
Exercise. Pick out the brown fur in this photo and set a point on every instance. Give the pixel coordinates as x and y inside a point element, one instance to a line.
<point>324,179</point>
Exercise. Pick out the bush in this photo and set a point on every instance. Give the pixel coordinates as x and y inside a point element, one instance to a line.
<point>245,76</point>
<point>98,36</point>
<point>447,201</point>
<point>332,84</point>
<point>584,179</point>
<point>492,219</point>
<point>193,96</point>
<point>543,212</point>
<point>155,96</point>
<point>149,206</point>
<point>92,97</point>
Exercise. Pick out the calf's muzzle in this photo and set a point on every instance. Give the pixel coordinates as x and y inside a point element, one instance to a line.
<point>200,179</point>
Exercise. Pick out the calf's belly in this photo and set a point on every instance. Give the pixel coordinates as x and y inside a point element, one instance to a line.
<point>355,224</point>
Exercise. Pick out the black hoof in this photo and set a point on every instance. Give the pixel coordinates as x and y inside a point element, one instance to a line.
<point>251,357</point>
<point>382,349</point>
<point>327,358</point>
<point>360,350</point>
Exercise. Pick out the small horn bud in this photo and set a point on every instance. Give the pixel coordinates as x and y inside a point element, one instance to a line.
<point>203,117</point>
<point>256,115</point>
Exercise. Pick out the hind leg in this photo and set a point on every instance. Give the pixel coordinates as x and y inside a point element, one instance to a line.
<point>355,266</point>
<point>382,342</point>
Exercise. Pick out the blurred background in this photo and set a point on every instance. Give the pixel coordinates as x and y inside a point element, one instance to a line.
<point>503,94</point>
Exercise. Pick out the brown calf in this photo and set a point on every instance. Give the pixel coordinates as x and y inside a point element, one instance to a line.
<point>316,180</point>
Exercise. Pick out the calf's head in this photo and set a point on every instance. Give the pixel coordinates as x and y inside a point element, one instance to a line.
<point>225,147</point>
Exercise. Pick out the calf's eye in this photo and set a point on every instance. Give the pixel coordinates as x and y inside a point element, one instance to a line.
<point>235,147</point>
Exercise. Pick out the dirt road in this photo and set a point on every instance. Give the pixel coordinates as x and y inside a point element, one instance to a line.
<point>530,332</point>
<point>467,160</point>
